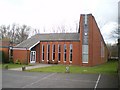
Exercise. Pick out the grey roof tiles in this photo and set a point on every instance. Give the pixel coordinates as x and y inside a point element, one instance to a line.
<point>49,37</point>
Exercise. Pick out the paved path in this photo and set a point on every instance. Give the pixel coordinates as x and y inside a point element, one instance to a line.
<point>32,67</point>
<point>18,79</point>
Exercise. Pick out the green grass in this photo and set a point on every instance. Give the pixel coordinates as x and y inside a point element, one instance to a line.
<point>107,68</point>
<point>0,65</point>
<point>11,65</point>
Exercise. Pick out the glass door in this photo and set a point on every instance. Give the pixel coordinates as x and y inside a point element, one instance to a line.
<point>33,57</point>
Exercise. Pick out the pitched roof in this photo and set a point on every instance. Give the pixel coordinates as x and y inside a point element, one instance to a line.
<point>48,37</point>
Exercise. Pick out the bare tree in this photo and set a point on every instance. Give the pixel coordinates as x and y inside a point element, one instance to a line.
<point>3,31</point>
<point>14,33</point>
<point>22,33</point>
<point>76,26</point>
<point>61,29</point>
<point>113,49</point>
<point>44,30</point>
<point>115,33</point>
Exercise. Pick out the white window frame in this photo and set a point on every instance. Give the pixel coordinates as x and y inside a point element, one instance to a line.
<point>59,52</point>
<point>65,53</point>
<point>70,52</point>
<point>43,52</point>
<point>48,51</point>
<point>53,51</point>
<point>31,57</point>
<point>85,53</point>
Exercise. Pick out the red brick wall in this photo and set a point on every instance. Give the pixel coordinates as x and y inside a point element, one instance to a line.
<point>81,31</point>
<point>76,56</point>
<point>94,41</point>
<point>22,55</point>
<point>4,46</point>
<point>6,53</point>
<point>97,39</point>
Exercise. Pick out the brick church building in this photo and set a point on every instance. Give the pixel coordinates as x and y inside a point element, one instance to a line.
<point>84,48</point>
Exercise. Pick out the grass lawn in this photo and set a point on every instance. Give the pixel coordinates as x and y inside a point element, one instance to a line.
<point>0,65</point>
<point>11,65</point>
<point>107,68</point>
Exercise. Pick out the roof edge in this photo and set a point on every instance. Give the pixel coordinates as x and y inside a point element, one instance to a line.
<point>34,45</point>
<point>19,48</point>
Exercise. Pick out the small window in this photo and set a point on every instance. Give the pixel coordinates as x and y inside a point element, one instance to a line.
<point>102,49</point>
<point>53,54</point>
<point>84,53</point>
<point>43,52</point>
<point>86,19</point>
<point>48,52</point>
<point>71,49</point>
<point>65,54</point>
<point>59,52</point>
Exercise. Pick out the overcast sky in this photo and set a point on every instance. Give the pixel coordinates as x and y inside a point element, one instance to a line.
<point>49,14</point>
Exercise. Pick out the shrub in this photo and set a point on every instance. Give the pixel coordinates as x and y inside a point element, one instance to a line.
<point>11,60</point>
<point>6,66</point>
<point>17,61</point>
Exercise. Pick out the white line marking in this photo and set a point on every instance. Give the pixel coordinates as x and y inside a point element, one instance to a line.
<point>97,81</point>
<point>39,80</point>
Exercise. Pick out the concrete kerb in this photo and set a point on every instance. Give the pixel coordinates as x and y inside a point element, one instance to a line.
<point>31,67</point>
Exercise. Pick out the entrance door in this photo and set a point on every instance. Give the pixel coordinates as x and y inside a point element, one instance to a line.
<point>33,57</point>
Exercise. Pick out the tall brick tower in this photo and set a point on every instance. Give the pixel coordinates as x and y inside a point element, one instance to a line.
<point>92,46</point>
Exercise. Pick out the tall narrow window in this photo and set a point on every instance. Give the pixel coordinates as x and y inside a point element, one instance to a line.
<point>85,53</point>
<point>65,50</point>
<point>48,52</point>
<point>43,49</point>
<point>85,19</point>
<point>102,49</point>
<point>71,48</point>
<point>53,52</point>
<point>59,52</point>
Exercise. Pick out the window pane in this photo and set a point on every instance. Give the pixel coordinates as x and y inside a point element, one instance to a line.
<point>102,49</point>
<point>59,51</point>
<point>71,57</point>
<point>53,56</point>
<point>85,53</point>
<point>48,51</point>
<point>85,49</point>
<point>65,48</point>
<point>59,56</point>
<point>53,48</point>
<point>53,52</point>
<point>64,56</point>
<point>43,56</point>
<point>43,48</point>
<point>85,58</point>
<point>48,56</point>
<point>59,48</point>
<point>42,52</point>
<point>71,47</point>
